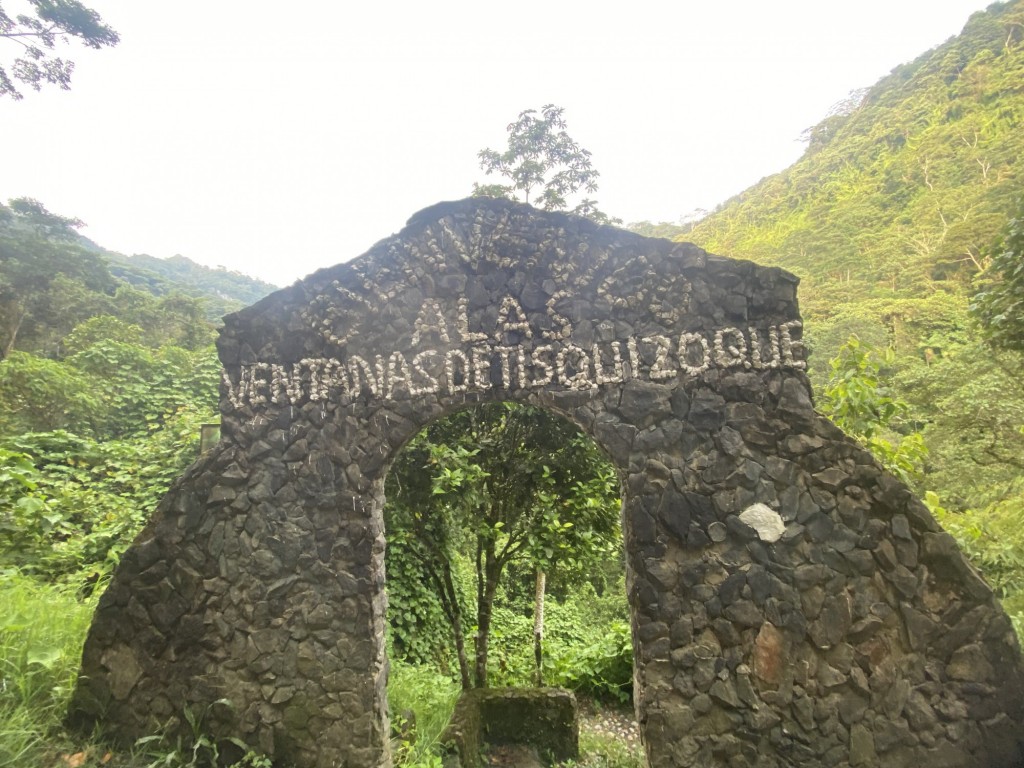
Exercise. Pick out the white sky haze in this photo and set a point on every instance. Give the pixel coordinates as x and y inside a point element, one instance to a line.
<point>276,138</point>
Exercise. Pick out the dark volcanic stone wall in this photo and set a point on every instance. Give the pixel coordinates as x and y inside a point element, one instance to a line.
<point>792,604</point>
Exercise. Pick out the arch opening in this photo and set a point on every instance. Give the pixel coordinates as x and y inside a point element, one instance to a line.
<point>505,558</point>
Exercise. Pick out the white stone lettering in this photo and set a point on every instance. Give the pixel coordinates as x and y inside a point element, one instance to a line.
<point>477,367</point>
<point>731,348</point>
<point>686,360</point>
<point>662,367</point>
<point>281,384</point>
<point>430,320</point>
<point>235,396</point>
<point>573,367</point>
<point>361,375</point>
<point>511,317</point>
<point>432,385</point>
<point>545,365</point>
<point>756,352</point>
<point>634,358</point>
<point>480,357</point>
<point>521,367</point>
<point>259,388</point>
<point>617,373</point>
<point>505,354</point>
<point>790,347</point>
<point>563,328</point>
<point>462,322</point>
<point>398,373</point>
<point>457,378</point>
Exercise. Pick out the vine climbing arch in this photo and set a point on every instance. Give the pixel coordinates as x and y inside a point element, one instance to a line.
<point>791,603</point>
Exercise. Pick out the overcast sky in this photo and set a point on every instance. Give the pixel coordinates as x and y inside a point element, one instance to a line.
<point>279,138</point>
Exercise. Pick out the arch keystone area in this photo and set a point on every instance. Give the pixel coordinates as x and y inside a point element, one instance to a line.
<point>792,604</point>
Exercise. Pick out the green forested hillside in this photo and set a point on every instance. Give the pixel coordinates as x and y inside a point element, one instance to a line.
<point>891,219</point>
<point>223,290</point>
<point>899,193</point>
<point>51,279</point>
<point>103,386</point>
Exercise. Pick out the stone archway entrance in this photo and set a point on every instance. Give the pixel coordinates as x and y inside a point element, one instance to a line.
<point>792,604</point>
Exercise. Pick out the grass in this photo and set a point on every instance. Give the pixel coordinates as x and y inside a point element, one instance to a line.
<point>42,628</point>
<point>430,697</point>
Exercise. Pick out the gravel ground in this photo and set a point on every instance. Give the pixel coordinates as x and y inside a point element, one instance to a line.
<point>618,720</point>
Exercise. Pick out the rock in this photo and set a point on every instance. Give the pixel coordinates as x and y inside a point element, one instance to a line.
<point>744,614</point>
<point>862,746</point>
<point>770,657</point>
<point>919,713</point>
<point>124,671</point>
<point>851,708</point>
<point>970,664</point>
<point>718,532</point>
<point>766,521</point>
<point>724,692</point>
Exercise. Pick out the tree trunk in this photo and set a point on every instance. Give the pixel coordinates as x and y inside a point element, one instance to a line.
<point>490,571</point>
<point>456,619</point>
<point>538,626</point>
<point>444,585</point>
<point>18,316</point>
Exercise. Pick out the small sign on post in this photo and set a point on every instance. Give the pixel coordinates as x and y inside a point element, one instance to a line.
<point>209,436</point>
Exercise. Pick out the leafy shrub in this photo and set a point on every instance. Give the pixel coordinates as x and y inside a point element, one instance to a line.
<point>993,538</point>
<point>511,647</point>
<point>859,402</point>
<point>603,669</point>
<point>418,630</point>
<point>587,645</point>
<point>41,394</point>
<point>76,503</point>
<point>1014,605</point>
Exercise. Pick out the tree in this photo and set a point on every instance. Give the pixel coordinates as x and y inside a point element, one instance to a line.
<point>496,485</point>
<point>544,165</point>
<point>51,22</point>
<point>999,305</point>
<point>42,271</point>
<point>859,403</point>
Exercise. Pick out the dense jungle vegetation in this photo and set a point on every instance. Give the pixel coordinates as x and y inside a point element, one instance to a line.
<point>905,221</point>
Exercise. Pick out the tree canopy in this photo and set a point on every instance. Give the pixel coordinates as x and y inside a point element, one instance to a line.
<point>999,305</point>
<point>37,35</point>
<point>543,164</point>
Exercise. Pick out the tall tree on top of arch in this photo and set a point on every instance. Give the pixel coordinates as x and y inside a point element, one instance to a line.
<point>544,165</point>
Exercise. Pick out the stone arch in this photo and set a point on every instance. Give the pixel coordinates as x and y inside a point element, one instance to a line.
<point>792,604</point>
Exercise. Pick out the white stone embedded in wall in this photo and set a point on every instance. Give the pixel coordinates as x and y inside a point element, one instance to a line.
<point>765,520</point>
